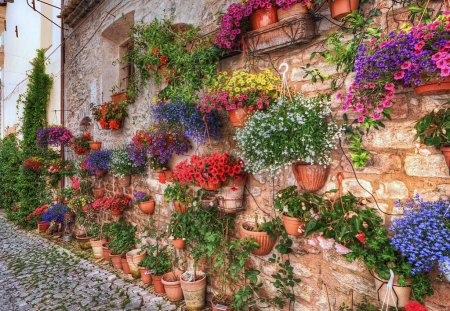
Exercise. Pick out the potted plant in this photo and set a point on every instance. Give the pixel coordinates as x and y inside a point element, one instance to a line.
<point>55,213</point>
<point>264,12</point>
<point>264,234</point>
<point>208,171</point>
<point>179,195</point>
<point>193,284</point>
<point>37,215</point>
<point>81,144</point>
<point>117,204</point>
<point>134,257</point>
<point>94,231</point>
<point>121,244</point>
<point>110,115</point>
<point>159,261</point>
<point>98,162</point>
<point>98,192</point>
<point>33,164</point>
<point>231,196</point>
<point>422,234</point>
<point>341,8</point>
<point>434,130</point>
<point>53,136</point>
<point>172,285</point>
<point>297,209</point>
<point>145,267</point>
<point>122,166</point>
<point>95,145</point>
<point>241,93</point>
<point>144,201</point>
<point>291,8</point>
<point>177,229</point>
<point>298,132</point>
<point>57,169</point>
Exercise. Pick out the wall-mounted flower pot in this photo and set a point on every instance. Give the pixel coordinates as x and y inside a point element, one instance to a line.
<point>158,286</point>
<point>125,266</point>
<point>292,11</point>
<point>446,152</point>
<point>194,290</point>
<point>147,207</point>
<point>146,275</point>
<point>100,173</point>
<point>179,243</point>
<point>212,187</point>
<point>97,247</point>
<point>263,17</point>
<point>172,285</point>
<point>119,97</point>
<point>220,306</point>
<point>400,296</point>
<point>292,224</point>
<point>106,253</point>
<point>98,193</point>
<point>95,145</point>
<point>231,197</point>
<point>134,257</point>
<point>43,226</point>
<point>310,177</point>
<point>116,212</point>
<point>437,86</point>
<point>239,116</point>
<point>164,176</point>
<point>341,8</point>
<point>83,242</point>
<point>180,208</point>
<point>265,242</point>
<point>116,261</point>
<point>124,181</point>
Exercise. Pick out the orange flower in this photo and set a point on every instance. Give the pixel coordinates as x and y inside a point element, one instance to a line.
<point>114,125</point>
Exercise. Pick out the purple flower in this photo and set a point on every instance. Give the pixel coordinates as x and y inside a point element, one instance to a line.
<point>98,161</point>
<point>139,197</point>
<point>55,213</point>
<point>53,136</point>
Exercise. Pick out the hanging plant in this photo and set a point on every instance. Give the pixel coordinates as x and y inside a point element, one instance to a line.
<point>34,164</point>
<point>98,162</point>
<point>53,136</point>
<point>121,163</point>
<point>80,144</point>
<point>110,115</point>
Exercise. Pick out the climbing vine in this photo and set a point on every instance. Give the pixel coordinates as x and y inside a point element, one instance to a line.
<point>11,161</point>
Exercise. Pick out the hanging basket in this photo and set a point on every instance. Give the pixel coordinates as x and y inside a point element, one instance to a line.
<point>95,145</point>
<point>231,198</point>
<point>265,242</point>
<point>239,116</point>
<point>310,177</point>
<point>400,295</point>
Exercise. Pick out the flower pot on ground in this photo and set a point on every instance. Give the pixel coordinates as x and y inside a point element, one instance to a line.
<point>43,226</point>
<point>341,8</point>
<point>172,286</point>
<point>106,253</point>
<point>134,257</point>
<point>116,98</point>
<point>288,11</point>
<point>122,241</point>
<point>263,17</point>
<point>144,202</point>
<point>437,86</point>
<point>231,196</point>
<point>179,243</point>
<point>97,247</point>
<point>218,304</point>
<point>125,266</point>
<point>310,177</point>
<point>146,275</point>
<point>257,233</point>
<point>98,192</point>
<point>400,296</point>
<point>116,261</point>
<point>194,289</point>
<point>159,261</point>
<point>158,286</point>
<point>83,242</point>
<point>95,145</point>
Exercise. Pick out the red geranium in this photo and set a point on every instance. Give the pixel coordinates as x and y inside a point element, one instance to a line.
<point>361,237</point>
<point>114,125</point>
<point>414,306</point>
<point>208,169</point>
<point>38,212</point>
<point>117,203</point>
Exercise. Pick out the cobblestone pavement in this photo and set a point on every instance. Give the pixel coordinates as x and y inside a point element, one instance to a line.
<point>37,275</point>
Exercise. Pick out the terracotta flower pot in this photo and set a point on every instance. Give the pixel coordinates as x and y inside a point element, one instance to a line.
<point>147,207</point>
<point>116,212</point>
<point>164,176</point>
<point>98,193</point>
<point>95,145</point>
<point>146,276</point>
<point>134,257</point>
<point>266,243</point>
<point>180,208</point>
<point>263,17</point>
<point>125,266</point>
<point>194,291</point>
<point>239,116</point>
<point>97,247</point>
<point>179,243</point>
<point>119,97</point>
<point>217,306</point>
<point>292,224</point>
<point>341,8</point>
<point>231,198</point>
<point>446,152</point>
<point>43,226</point>
<point>124,181</point>
<point>434,87</point>
<point>116,261</point>
<point>292,11</point>
<point>158,286</point>
<point>172,286</point>
<point>212,187</point>
<point>106,253</point>
<point>401,292</point>
<point>100,173</point>
<point>83,242</point>
<point>310,177</point>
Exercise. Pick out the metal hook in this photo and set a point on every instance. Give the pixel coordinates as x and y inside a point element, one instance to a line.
<point>284,65</point>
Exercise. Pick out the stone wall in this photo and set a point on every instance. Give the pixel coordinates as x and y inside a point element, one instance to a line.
<point>398,170</point>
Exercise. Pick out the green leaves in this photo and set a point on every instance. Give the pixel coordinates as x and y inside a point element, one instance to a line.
<point>434,128</point>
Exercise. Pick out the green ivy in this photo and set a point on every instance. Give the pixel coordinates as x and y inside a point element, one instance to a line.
<point>10,164</point>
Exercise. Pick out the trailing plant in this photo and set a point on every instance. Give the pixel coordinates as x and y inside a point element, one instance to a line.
<point>55,213</point>
<point>434,128</point>
<point>53,136</point>
<point>121,163</point>
<point>98,161</point>
<point>124,239</point>
<point>297,130</point>
<point>177,192</point>
<point>110,115</point>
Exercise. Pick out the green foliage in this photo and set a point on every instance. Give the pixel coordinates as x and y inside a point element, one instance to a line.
<point>434,128</point>
<point>293,204</point>
<point>124,239</point>
<point>185,60</point>
<point>179,225</point>
<point>121,164</point>
<point>158,260</point>
<point>10,159</point>
<point>176,192</point>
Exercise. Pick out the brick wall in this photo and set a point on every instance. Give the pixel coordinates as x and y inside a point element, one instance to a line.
<point>398,169</point>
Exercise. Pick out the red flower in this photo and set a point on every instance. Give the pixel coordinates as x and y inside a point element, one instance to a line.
<point>414,306</point>
<point>155,51</point>
<point>163,60</point>
<point>361,237</point>
<point>103,123</point>
<point>114,125</point>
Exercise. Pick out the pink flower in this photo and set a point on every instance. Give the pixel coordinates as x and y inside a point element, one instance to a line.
<point>339,96</point>
<point>389,86</point>
<point>387,104</point>
<point>445,72</point>
<point>359,107</point>
<point>376,116</point>
<point>406,65</point>
<point>428,36</point>
<point>419,45</point>
<point>361,119</point>
<point>399,75</point>
<point>389,95</point>
<point>441,63</point>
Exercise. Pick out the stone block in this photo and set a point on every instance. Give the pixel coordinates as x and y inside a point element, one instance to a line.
<point>357,283</point>
<point>392,190</point>
<point>380,163</point>
<point>351,185</point>
<point>426,166</point>
<point>396,135</point>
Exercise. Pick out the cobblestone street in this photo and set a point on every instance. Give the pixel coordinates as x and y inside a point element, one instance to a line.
<point>36,275</point>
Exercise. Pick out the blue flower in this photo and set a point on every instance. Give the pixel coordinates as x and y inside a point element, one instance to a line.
<point>55,213</point>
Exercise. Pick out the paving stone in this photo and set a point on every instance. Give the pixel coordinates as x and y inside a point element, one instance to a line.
<point>38,275</point>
